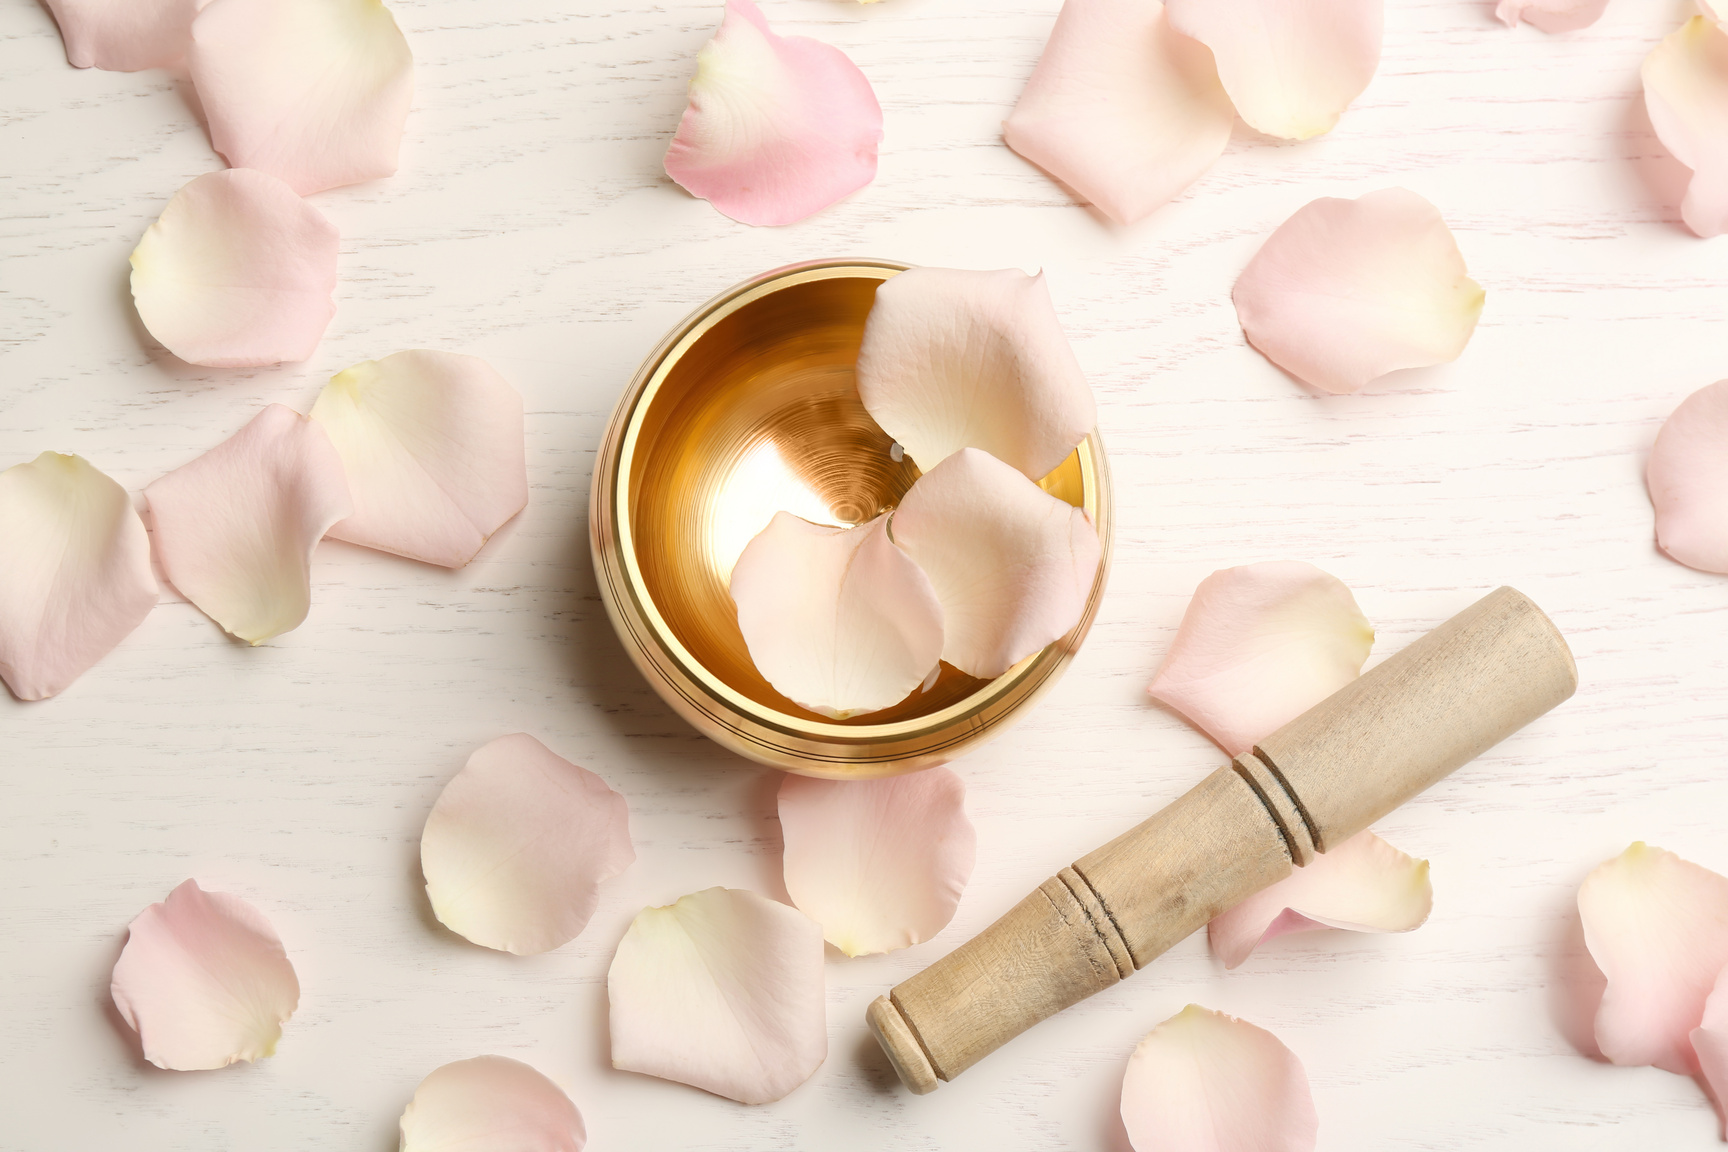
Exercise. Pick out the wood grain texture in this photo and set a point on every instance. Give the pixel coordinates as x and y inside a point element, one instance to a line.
<point>531,225</point>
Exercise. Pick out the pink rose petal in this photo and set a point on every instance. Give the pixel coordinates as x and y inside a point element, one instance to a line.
<point>1363,885</point>
<point>490,1104</point>
<point>1206,1082</point>
<point>1346,291</point>
<point>778,127</point>
<point>235,528</point>
<point>204,981</point>
<point>1121,108</point>
<point>433,447</point>
<point>837,619</point>
<point>1012,565</point>
<point>880,864</point>
<point>1552,15</point>
<point>124,35</point>
<point>238,272</point>
<point>517,845</point>
<point>1688,480</point>
<point>1258,646</point>
<point>954,359</point>
<point>1657,927</point>
<point>1290,68</point>
<point>76,580</point>
<point>1710,1045</point>
<point>1686,94</point>
<point>315,92</point>
<point>724,991</point>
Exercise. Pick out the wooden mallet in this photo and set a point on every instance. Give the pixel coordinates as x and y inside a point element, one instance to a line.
<point>1314,783</point>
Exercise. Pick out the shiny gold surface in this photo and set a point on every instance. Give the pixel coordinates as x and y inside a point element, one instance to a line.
<point>747,409</point>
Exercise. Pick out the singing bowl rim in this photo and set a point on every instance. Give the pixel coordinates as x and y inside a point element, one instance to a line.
<point>720,712</point>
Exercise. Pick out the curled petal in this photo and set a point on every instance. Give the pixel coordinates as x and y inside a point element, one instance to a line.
<point>517,845</point>
<point>1346,291</point>
<point>237,272</point>
<point>236,527</point>
<point>1363,884</point>
<point>1657,927</point>
<point>1710,1045</point>
<point>1686,94</point>
<point>1012,565</point>
<point>315,92</point>
<point>490,1104</point>
<point>1121,108</point>
<point>124,35</point>
<point>1258,646</point>
<point>954,359</point>
<point>880,864</point>
<point>433,446</point>
<point>1206,1082</point>
<point>837,619</point>
<point>76,580</point>
<point>1688,480</point>
<point>778,127</point>
<point>204,981</point>
<point>722,990</point>
<point>1290,69</point>
<point>1551,15</point>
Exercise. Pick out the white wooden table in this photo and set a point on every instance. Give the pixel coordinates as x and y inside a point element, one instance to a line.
<point>532,224</point>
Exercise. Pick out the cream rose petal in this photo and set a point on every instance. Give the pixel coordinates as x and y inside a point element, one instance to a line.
<point>1551,15</point>
<point>722,990</point>
<point>124,35</point>
<point>1657,927</point>
<point>315,92</point>
<point>433,446</point>
<point>1688,480</point>
<point>1686,94</point>
<point>204,981</point>
<point>1206,1082</point>
<point>77,577</point>
<point>490,1104</point>
<point>237,272</point>
<point>1258,646</point>
<point>957,359</point>
<point>1121,109</point>
<point>837,619</point>
<point>235,528</point>
<point>1363,884</point>
<point>517,845</point>
<point>1012,565</point>
<point>1710,1046</point>
<point>1290,68</point>
<point>1346,291</point>
<point>778,127</point>
<point>880,864</point>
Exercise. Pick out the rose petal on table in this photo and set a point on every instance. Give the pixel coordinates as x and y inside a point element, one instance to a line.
<point>124,35</point>
<point>490,1104</point>
<point>880,864</point>
<point>723,991</point>
<point>1363,885</point>
<point>1686,94</point>
<point>434,450</point>
<point>1206,1082</point>
<point>1290,69</point>
<point>1551,15</point>
<point>1688,480</point>
<point>1710,1046</point>
<point>204,981</point>
<point>778,127</point>
<point>1657,927</point>
<point>1012,565</point>
<point>77,577</point>
<point>1346,291</point>
<point>958,359</point>
<point>837,619</point>
<point>237,272</point>
<point>1258,646</point>
<point>516,847</point>
<point>235,528</point>
<point>315,92</point>
<point>1121,109</point>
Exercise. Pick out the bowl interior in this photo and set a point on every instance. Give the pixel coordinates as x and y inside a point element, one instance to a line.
<point>761,414</point>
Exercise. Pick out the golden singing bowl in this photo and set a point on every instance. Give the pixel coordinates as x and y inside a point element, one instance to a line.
<point>746,408</point>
